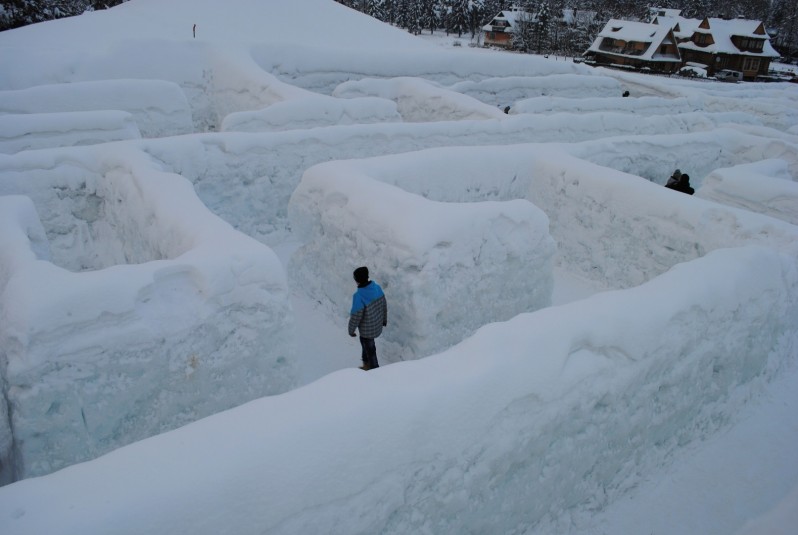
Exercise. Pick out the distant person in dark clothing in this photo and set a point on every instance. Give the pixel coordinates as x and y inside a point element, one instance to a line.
<point>682,185</point>
<point>369,315</point>
<point>674,179</point>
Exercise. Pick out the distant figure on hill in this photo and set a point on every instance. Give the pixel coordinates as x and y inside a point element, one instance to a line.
<point>369,315</point>
<point>194,31</point>
<point>674,179</point>
<point>507,109</point>
<point>682,185</point>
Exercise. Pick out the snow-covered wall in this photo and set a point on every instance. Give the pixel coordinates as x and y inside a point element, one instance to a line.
<point>45,130</point>
<point>420,101</point>
<point>611,227</point>
<point>313,112</point>
<point>322,69</point>
<point>133,335</point>
<point>508,90</point>
<point>580,403</point>
<point>159,108</point>
<point>766,187</point>
<point>247,179</point>
<point>697,153</point>
<point>448,268</point>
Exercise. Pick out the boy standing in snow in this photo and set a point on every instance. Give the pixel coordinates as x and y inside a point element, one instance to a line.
<point>369,315</point>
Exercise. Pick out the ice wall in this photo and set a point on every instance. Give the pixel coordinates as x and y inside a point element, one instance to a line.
<point>45,130</point>
<point>766,187</point>
<point>446,268</point>
<point>159,108</point>
<point>610,227</point>
<point>419,101</point>
<point>542,415</point>
<point>698,154</point>
<point>509,89</point>
<point>313,112</point>
<point>247,179</point>
<point>322,69</point>
<point>176,316</point>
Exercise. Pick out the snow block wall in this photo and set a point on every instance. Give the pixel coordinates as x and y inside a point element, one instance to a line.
<point>697,153</point>
<point>610,227</point>
<point>237,175</point>
<point>174,317</point>
<point>421,101</point>
<point>575,393</point>
<point>313,112</point>
<point>507,90</point>
<point>446,268</point>
<point>766,187</point>
<point>159,107</point>
<point>46,130</point>
<point>581,403</point>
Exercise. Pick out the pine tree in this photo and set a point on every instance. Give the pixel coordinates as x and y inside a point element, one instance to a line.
<point>458,17</point>
<point>523,38</point>
<point>402,13</point>
<point>784,19</point>
<point>475,9</point>
<point>415,10</point>
<point>542,28</point>
<point>429,15</point>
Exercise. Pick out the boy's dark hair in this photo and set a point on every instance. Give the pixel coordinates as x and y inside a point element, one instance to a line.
<point>361,275</point>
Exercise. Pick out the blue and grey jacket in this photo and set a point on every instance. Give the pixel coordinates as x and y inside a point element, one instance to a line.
<point>369,311</point>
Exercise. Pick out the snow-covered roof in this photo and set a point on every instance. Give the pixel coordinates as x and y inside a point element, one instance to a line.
<point>510,16</point>
<point>664,12</point>
<point>722,32</point>
<point>682,28</point>
<point>653,35</point>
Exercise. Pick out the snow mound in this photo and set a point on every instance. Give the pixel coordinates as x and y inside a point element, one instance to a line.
<point>159,107</point>
<point>45,130</point>
<point>765,187</point>
<point>120,327</point>
<point>420,101</point>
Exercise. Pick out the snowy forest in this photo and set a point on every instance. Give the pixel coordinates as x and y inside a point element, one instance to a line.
<point>551,31</point>
<point>16,13</point>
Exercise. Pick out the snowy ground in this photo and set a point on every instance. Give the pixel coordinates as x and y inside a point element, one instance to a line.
<point>180,217</point>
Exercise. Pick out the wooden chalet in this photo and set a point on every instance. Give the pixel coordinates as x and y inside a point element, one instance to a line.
<point>499,31</point>
<point>737,44</point>
<point>637,45</point>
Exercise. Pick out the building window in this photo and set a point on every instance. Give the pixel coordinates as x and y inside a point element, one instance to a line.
<point>751,45</point>
<point>751,64</point>
<point>701,39</point>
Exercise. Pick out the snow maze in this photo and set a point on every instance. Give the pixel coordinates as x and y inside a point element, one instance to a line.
<point>461,235</point>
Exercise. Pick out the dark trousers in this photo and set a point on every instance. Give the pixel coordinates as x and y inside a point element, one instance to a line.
<point>369,353</point>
